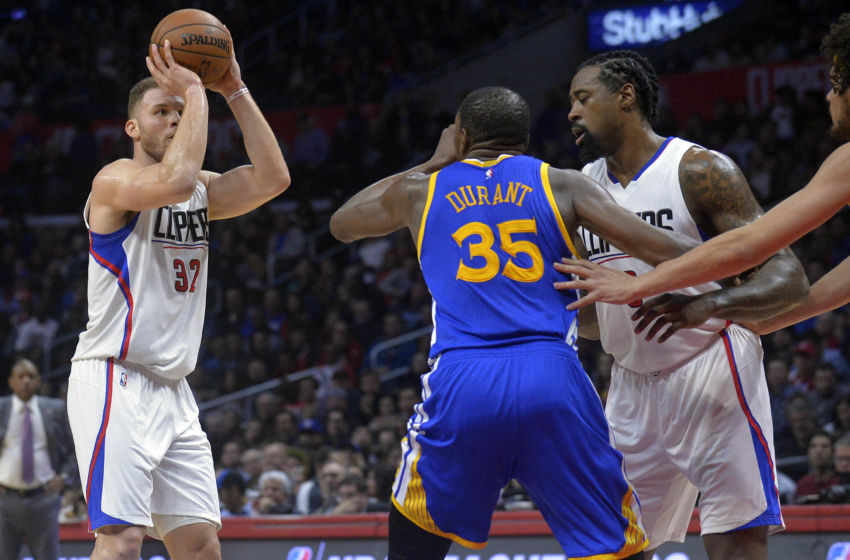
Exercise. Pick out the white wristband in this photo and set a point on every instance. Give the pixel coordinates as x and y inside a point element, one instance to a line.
<point>238,93</point>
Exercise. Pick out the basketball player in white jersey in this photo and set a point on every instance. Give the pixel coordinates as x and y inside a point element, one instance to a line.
<point>692,415</point>
<point>144,461</point>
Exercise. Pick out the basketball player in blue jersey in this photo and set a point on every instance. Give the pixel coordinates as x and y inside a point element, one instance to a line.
<point>506,396</point>
<point>144,461</point>
<point>722,448</point>
<point>827,193</point>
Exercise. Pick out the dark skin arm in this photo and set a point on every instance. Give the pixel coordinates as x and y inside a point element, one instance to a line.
<point>393,202</point>
<point>719,199</point>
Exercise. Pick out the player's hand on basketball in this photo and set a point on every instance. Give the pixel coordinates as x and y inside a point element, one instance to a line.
<point>170,76</point>
<point>231,81</point>
<point>598,283</point>
<point>445,153</point>
<point>674,311</point>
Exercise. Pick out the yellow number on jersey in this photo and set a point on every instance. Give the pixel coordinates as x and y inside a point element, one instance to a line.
<point>484,249</point>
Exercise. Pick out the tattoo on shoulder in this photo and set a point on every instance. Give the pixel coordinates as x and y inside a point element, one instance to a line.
<point>714,186</point>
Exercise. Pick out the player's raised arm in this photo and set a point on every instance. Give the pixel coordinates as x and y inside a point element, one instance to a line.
<point>244,188</point>
<point>165,166</point>
<point>393,202</point>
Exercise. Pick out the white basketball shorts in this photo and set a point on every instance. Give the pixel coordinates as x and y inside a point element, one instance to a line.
<point>142,453</point>
<point>703,428</point>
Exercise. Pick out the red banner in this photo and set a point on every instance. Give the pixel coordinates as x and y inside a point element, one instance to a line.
<point>697,92</point>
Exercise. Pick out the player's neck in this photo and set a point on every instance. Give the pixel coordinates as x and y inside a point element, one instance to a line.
<point>637,147</point>
<point>488,153</point>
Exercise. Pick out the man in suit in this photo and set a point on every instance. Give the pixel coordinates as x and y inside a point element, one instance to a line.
<point>36,460</point>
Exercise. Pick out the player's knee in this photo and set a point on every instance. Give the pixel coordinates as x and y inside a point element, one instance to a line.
<point>125,544</point>
<point>209,549</point>
<point>194,542</point>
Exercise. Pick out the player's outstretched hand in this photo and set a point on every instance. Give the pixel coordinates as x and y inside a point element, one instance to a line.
<point>170,76</point>
<point>231,80</point>
<point>677,311</point>
<point>445,153</point>
<point>598,282</point>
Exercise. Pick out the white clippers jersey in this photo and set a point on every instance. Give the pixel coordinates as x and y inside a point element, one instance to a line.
<point>656,196</point>
<point>147,288</point>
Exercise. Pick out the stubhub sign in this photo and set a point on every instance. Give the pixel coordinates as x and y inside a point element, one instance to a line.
<point>651,24</point>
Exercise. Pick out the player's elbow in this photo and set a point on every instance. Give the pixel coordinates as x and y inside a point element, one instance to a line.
<point>280,181</point>
<point>339,230</point>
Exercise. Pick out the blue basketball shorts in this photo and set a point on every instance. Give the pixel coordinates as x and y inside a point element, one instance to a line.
<point>527,412</point>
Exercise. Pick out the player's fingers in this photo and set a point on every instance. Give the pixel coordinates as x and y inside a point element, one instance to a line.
<point>572,285</point>
<point>581,302</point>
<point>572,267</point>
<point>655,303</point>
<point>675,326</point>
<point>156,56</point>
<point>169,58</point>
<point>663,320</point>
<point>648,318</point>
<point>149,63</point>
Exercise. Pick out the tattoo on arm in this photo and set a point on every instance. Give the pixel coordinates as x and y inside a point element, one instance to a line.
<point>716,192</point>
<point>718,196</point>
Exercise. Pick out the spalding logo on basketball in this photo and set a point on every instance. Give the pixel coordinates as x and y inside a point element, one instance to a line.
<point>199,41</point>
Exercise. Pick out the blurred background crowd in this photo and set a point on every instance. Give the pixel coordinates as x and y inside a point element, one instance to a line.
<point>312,351</point>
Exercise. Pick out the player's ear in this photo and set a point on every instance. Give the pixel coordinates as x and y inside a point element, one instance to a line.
<point>463,143</point>
<point>131,127</point>
<point>628,97</point>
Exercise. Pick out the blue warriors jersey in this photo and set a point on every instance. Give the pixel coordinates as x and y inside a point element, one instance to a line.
<point>489,235</point>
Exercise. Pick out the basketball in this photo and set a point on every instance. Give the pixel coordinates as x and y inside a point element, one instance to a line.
<point>199,41</point>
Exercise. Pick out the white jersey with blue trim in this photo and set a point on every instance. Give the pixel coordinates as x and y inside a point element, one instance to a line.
<point>656,196</point>
<point>147,288</point>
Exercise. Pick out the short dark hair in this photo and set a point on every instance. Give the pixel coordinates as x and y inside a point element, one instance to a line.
<point>357,481</point>
<point>496,115</point>
<point>836,48</point>
<point>137,92</point>
<point>620,67</point>
<point>232,479</point>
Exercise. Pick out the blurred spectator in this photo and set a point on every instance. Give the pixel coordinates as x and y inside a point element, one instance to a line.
<point>821,475</point>
<point>311,435</point>
<point>275,494</point>
<point>352,496</point>
<point>251,466</point>
<point>297,467</point>
<point>825,393</point>
<point>36,332</point>
<point>231,491</point>
<point>318,494</point>
<point>794,440</point>
<point>230,457</point>
<point>839,425</point>
<point>337,429</point>
<point>274,456</point>
<point>286,427</point>
<point>803,369</point>
<point>780,390</point>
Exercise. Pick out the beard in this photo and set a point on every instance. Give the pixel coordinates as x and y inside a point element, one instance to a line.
<point>589,150</point>
<point>841,131</point>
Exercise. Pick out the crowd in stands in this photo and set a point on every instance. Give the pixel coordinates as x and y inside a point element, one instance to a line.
<point>285,298</point>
